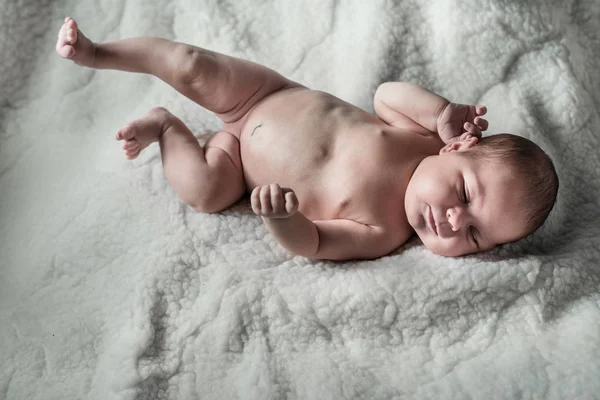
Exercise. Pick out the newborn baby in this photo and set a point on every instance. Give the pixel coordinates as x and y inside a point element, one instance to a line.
<point>330,180</point>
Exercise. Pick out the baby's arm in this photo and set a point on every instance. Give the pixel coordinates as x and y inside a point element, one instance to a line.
<point>403,102</point>
<point>407,105</point>
<point>339,239</point>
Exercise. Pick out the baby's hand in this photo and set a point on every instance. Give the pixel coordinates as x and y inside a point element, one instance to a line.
<point>273,201</point>
<point>458,119</point>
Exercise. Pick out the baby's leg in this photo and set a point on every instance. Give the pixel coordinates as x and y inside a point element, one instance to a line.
<point>208,179</point>
<point>226,85</point>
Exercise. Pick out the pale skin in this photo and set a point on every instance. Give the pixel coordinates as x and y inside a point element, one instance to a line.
<point>329,180</point>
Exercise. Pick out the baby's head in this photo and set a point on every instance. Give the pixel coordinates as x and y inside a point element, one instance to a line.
<point>477,194</point>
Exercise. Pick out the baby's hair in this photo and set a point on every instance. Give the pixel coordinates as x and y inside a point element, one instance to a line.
<point>529,161</point>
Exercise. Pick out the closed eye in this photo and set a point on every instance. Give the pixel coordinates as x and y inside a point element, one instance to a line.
<point>465,199</point>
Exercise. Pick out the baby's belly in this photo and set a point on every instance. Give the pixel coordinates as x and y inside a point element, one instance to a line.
<point>292,138</point>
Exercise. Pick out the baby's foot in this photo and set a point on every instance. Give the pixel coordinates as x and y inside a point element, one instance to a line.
<point>138,134</point>
<point>73,44</point>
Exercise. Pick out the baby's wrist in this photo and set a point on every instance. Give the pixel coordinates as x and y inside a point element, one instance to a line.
<point>278,217</point>
<point>441,111</point>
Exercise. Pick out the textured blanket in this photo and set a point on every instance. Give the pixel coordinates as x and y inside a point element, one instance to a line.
<point>111,288</point>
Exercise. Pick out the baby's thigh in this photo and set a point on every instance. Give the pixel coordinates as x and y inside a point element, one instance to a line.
<point>242,85</point>
<point>229,143</point>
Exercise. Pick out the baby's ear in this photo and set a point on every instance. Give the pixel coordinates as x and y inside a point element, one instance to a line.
<point>464,142</point>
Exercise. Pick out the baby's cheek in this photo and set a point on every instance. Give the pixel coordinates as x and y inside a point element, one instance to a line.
<point>412,213</point>
<point>449,247</point>
<point>432,192</point>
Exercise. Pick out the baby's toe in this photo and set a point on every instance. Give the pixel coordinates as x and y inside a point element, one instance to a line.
<point>68,32</point>
<point>66,51</point>
<point>131,154</point>
<point>126,133</point>
<point>71,23</point>
<point>131,144</point>
<point>71,36</point>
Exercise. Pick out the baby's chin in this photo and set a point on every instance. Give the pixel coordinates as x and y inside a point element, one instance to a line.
<point>442,251</point>
<point>434,245</point>
<point>429,243</point>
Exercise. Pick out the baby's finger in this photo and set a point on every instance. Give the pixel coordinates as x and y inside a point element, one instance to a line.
<point>472,129</point>
<point>291,202</point>
<point>265,200</point>
<point>480,110</point>
<point>481,123</point>
<point>255,200</point>
<point>277,201</point>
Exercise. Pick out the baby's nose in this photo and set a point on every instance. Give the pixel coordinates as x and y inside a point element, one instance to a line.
<point>455,218</point>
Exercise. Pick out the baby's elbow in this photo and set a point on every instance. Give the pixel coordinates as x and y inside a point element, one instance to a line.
<point>310,252</point>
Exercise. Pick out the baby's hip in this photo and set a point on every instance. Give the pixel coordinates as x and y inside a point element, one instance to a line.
<point>256,106</point>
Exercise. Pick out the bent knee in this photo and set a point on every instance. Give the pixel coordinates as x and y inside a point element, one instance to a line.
<point>227,143</point>
<point>222,187</point>
<point>194,65</point>
<point>214,201</point>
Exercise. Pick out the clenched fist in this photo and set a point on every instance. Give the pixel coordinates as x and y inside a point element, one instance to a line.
<point>458,120</point>
<point>273,201</point>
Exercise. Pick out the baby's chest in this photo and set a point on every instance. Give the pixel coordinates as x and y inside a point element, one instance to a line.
<point>372,203</point>
<point>367,192</point>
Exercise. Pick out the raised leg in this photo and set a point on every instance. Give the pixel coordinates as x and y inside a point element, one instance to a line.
<point>208,179</point>
<point>228,86</point>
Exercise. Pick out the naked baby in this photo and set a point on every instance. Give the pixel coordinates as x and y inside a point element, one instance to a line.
<point>330,180</point>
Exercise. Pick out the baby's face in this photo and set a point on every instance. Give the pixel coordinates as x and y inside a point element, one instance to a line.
<point>459,205</point>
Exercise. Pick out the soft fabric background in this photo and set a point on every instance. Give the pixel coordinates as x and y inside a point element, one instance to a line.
<point>111,288</point>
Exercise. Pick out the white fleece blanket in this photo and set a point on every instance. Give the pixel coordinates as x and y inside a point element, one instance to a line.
<point>111,288</point>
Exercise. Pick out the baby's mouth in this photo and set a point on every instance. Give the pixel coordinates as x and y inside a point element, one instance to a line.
<point>431,221</point>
